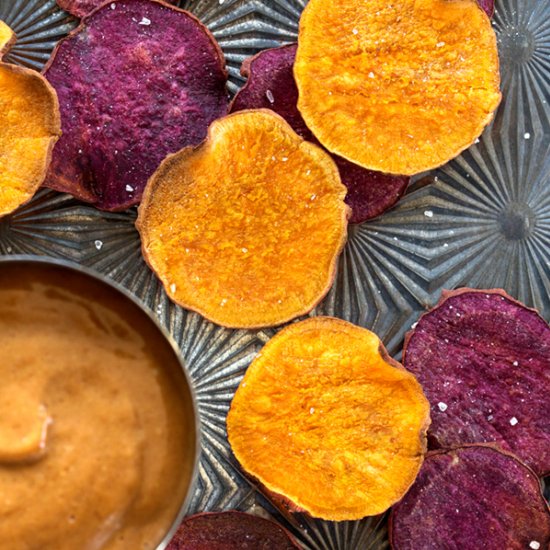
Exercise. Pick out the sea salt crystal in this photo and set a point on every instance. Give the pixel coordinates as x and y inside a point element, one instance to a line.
<point>269,95</point>
<point>440,44</point>
<point>313,197</point>
<point>223,302</point>
<point>371,75</point>
<point>129,188</point>
<point>98,244</point>
<point>244,250</point>
<point>515,363</point>
<point>442,406</point>
<point>534,544</point>
<point>312,410</point>
<point>413,326</point>
<point>527,135</point>
<point>355,31</point>
<point>113,6</point>
<point>428,214</point>
<point>284,159</point>
<point>513,421</point>
<point>173,288</point>
<point>144,21</point>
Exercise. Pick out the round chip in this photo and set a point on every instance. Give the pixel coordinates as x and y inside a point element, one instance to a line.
<point>271,85</point>
<point>399,87</point>
<point>138,79</point>
<point>247,228</point>
<point>483,360</point>
<point>472,497</point>
<point>81,8</point>
<point>327,420</point>
<point>29,128</point>
<point>230,531</point>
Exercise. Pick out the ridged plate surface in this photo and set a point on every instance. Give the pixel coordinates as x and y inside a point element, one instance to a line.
<point>483,220</point>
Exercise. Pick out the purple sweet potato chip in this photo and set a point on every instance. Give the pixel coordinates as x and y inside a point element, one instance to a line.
<point>472,497</point>
<point>137,80</point>
<point>483,360</point>
<point>488,6</point>
<point>271,85</point>
<point>230,531</point>
<point>81,8</point>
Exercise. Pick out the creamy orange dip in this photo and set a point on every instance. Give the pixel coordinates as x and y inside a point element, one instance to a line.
<point>97,436</point>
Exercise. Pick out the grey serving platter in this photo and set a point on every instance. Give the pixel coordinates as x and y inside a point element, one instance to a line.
<point>483,220</point>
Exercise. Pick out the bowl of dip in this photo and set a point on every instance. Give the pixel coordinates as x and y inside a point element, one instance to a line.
<point>99,435</point>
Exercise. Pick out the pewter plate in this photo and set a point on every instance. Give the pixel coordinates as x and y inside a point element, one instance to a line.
<point>483,220</point>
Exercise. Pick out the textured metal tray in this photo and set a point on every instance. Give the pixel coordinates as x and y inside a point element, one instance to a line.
<point>483,220</point>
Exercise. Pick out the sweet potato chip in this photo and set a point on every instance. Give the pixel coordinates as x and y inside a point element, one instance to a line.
<point>399,87</point>
<point>7,38</point>
<point>29,128</point>
<point>81,8</point>
<point>483,360</point>
<point>231,531</point>
<point>137,80</point>
<point>271,85</point>
<point>245,229</point>
<point>488,6</point>
<point>325,418</point>
<point>472,497</point>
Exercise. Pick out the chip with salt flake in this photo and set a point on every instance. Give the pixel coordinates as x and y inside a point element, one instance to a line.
<point>135,83</point>
<point>82,8</point>
<point>487,357</point>
<point>471,497</point>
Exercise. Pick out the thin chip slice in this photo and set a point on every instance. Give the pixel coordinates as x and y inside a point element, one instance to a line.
<point>230,531</point>
<point>483,360</point>
<point>472,497</point>
<point>135,83</point>
<point>326,419</point>
<point>7,38</point>
<point>399,87</point>
<point>82,8</point>
<point>245,229</point>
<point>271,85</point>
<point>29,128</point>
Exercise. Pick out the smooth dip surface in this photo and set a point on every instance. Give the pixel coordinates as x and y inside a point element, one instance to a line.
<point>97,436</point>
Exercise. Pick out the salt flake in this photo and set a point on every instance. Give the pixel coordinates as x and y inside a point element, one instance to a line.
<point>527,135</point>
<point>269,95</point>
<point>98,244</point>
<point>534,544</point>
<point>442,406</point>
<point>428,214</point>
<point>144,21</point>
<point>513,421</point>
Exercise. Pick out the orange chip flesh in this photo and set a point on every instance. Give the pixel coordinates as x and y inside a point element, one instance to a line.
<point>245,229</point>
<point>327,420</point>
<point>29,127</point>
<point>398,87</point>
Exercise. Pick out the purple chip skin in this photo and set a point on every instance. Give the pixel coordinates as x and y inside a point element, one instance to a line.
<point>271,85</point>
<point>230,531</point>
<point>472,497</point>
<point>137,80</point>
<point>483,360</point>
<point>488,6</point>
<point>81,8</point>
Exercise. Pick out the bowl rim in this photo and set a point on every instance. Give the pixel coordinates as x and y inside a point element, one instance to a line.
<point>104,279</point>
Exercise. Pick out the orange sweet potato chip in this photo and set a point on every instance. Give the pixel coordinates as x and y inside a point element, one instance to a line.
<point>245,229</point>
<point>327,420</point>
<point>399,87</point>
<point>29,128</point>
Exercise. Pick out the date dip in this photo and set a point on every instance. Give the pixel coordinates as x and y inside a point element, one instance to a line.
<point>97,425</point>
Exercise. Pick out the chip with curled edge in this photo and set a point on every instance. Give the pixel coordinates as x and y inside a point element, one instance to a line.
<point>29,128</point>
<point>246,229</point>
<point>135,83</point>
<point>483,360</point>
<point>398,87</point>
<point>327,421</point>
